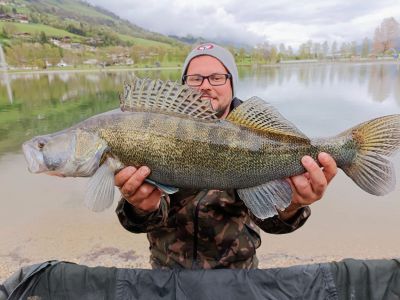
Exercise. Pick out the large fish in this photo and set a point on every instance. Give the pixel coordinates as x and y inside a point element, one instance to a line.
<point>167,127</point>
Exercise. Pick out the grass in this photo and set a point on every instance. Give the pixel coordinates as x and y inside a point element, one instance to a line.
<point>142,42</point>
<point>55,32</point>
<point>75,7</point>
<point>35,28</point>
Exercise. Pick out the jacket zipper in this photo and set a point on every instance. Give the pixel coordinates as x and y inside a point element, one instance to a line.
<point>196,228</point>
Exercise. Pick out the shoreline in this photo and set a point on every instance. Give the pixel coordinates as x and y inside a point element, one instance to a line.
<point>126,68</point>
<point>82,70</point>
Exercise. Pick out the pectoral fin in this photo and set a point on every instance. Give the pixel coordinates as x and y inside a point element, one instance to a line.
<point>165,188</point>
<point>264,200</point>
<point>100,190</point>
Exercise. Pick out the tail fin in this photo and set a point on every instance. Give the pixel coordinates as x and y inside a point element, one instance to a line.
<point>375,140</point>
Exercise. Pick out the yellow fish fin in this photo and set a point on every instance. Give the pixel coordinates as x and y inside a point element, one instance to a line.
<point>259,115</point>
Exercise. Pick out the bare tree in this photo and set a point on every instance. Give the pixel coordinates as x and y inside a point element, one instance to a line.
<point>290,51</point>
<point>282,49</point>
<point>344,49</point>
<point>305,50</point>
<point>386,35</point>
<point>353,48</point>
<point>334,49</point>
<point>365,47</point>
<point>325,49</point>
<point>316,50</point>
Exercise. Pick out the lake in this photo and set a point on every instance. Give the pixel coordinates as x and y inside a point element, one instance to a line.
<point>43,217</point>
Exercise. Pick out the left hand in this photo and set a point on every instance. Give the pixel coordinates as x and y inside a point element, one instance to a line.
<point>310,186</point>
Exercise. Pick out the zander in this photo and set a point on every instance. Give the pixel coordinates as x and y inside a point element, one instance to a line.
<point>167,127</point>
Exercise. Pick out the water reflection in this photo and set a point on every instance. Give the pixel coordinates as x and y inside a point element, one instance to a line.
<point>380,83</point>
<point>38,103</point>
<point>378,80</point>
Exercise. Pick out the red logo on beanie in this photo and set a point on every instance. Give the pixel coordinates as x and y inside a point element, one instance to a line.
<point>205,47</point>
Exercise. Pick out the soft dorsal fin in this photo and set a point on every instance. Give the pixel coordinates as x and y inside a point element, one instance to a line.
<point>257,114</point>
<point>165,96</point>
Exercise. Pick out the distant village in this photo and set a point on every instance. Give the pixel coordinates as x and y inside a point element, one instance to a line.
<point>67,43</point>
<point>14,18</point>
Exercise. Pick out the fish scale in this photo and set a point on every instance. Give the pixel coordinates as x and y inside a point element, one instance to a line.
<point>205,155</point>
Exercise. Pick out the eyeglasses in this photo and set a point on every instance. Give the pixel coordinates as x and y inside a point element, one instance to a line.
<point>213,79</point>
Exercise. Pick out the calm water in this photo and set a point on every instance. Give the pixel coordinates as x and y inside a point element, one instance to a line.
<point>321,100</point>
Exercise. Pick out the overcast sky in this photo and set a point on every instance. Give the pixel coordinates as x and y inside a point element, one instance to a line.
<point>291,22</point>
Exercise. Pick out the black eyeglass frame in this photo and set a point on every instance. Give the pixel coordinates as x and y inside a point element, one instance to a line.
<point>227,76</point>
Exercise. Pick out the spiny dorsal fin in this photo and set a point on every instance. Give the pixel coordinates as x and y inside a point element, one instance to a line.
<point>165,96</point>
<point>257,114</point>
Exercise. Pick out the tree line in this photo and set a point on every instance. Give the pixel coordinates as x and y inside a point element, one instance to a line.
<point>386,41</point>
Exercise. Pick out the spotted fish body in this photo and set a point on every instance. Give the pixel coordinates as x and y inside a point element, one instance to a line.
<point>203,154</point>
<point>166,127</point>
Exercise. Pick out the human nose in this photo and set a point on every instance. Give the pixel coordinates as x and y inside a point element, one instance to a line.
<point>205,85</point>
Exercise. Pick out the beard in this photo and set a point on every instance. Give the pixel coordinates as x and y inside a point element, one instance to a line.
<point>220,113</point>
<point>214,105</point>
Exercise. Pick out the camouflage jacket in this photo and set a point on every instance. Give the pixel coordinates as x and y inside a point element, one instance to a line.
<point>204,229</point>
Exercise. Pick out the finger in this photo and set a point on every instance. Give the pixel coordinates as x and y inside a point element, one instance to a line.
<point>297,199</point>
<point>317,176</point>
<point>122,176</point>
<point>142,192</point>
<point>329,166</point>
<point>135,181</point>
<point>152,202</point>
<point>302,187</point>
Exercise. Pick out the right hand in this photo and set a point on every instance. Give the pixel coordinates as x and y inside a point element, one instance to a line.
<point>139,194</point>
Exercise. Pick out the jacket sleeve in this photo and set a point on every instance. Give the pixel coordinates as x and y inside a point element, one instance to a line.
<point>277,226</point>
<point>137,221</point>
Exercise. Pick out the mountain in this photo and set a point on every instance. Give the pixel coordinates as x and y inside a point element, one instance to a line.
<point>189,39</point>
<point>81,18</point>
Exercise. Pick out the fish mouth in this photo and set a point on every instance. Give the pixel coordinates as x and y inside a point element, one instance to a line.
<point>34,158</point>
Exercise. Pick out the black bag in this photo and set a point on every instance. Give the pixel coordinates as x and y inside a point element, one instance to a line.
<point>348,279</point>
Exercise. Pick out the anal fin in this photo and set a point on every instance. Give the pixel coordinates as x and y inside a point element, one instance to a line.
<point>264,200</point>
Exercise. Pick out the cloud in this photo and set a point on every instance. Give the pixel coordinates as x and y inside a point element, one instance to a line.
<point>302,11</point>
<point>251,22</point>
<point>209,20</point>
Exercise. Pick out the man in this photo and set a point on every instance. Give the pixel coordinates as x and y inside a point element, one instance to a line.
<point>212,229</point>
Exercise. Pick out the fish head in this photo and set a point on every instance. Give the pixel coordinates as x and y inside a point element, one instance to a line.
<point>72,153</point>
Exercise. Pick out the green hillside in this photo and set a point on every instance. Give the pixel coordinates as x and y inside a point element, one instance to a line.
<point>39,34</point>
<point>83,19</point>
<point>142,41</point>
<point>37,28</point>
<point>59,33</point>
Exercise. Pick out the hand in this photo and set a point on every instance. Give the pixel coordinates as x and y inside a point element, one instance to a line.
<point>310,186</point>
<point>142,196</point>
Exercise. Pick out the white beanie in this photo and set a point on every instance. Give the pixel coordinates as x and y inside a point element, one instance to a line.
<point>223,55</point>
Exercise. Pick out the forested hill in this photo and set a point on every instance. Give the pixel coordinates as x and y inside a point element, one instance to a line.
<point>79,18</point>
